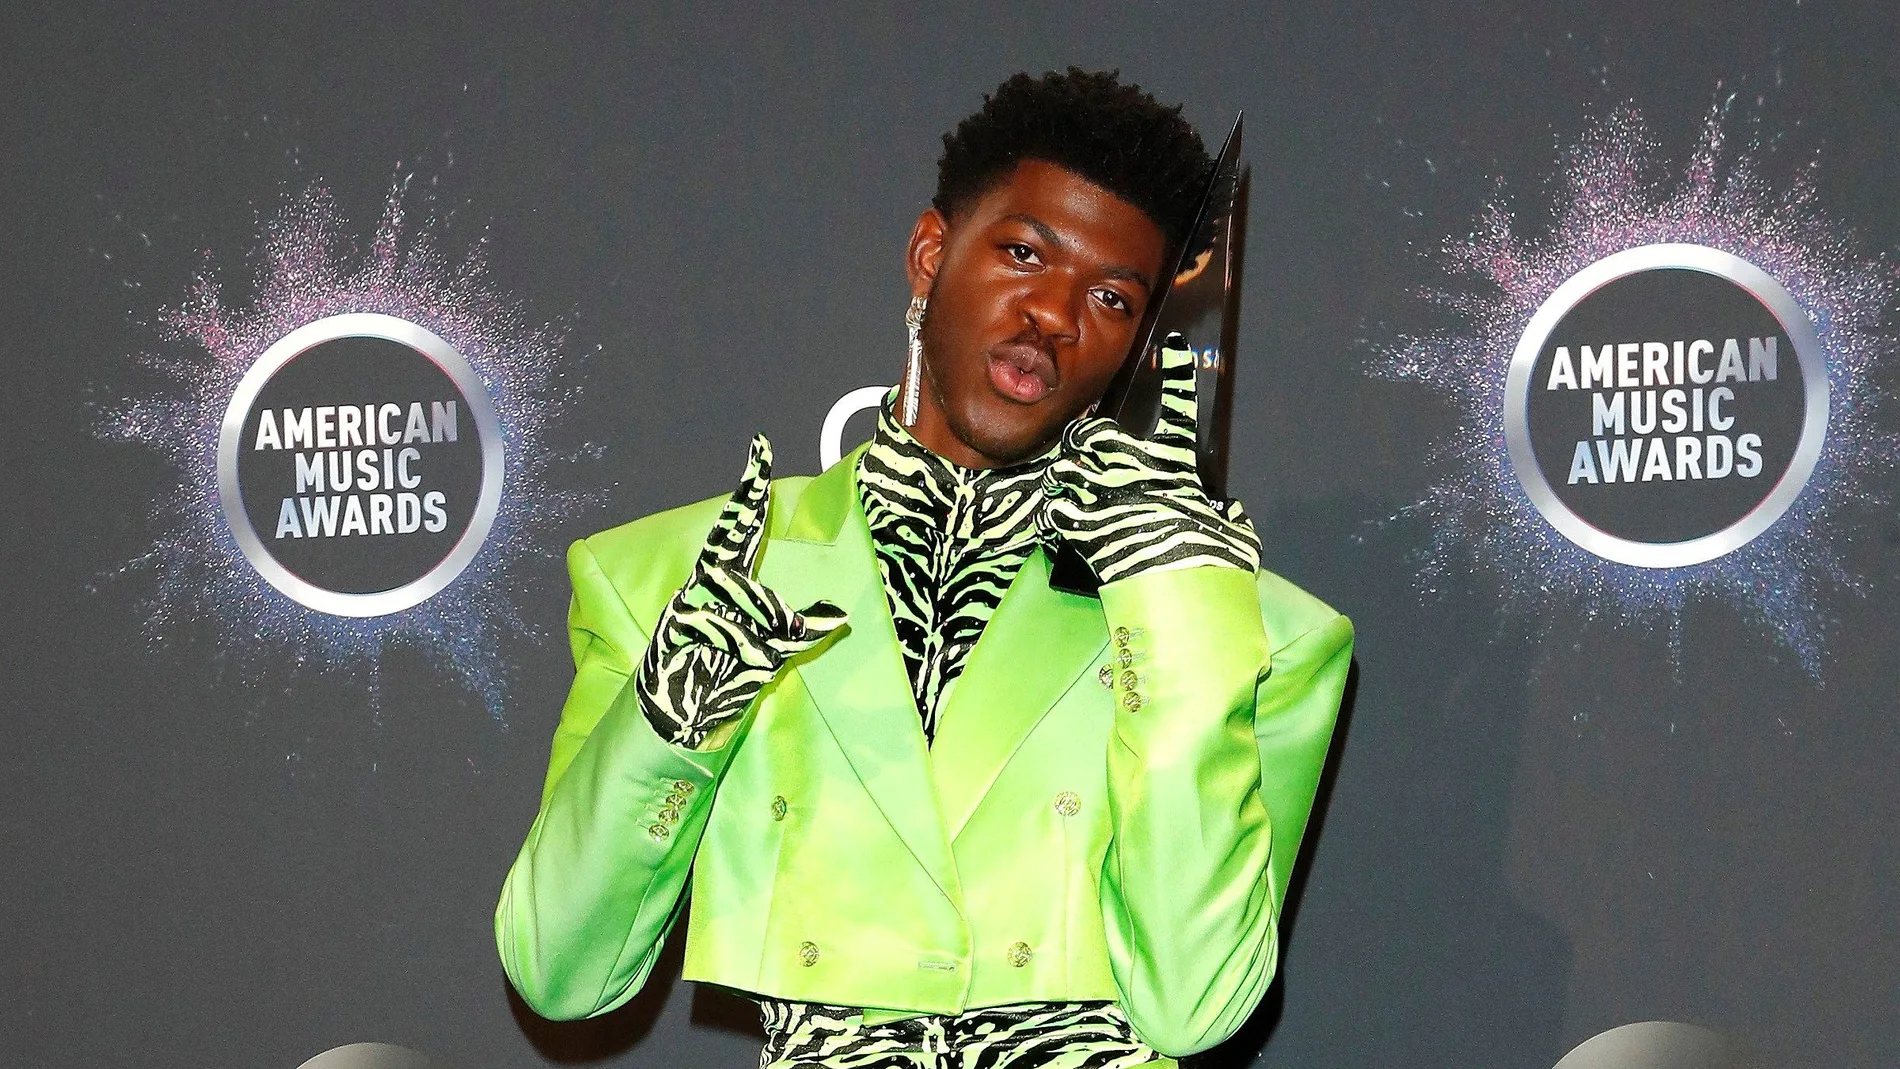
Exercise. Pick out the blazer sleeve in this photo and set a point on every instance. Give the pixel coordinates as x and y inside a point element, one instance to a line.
<point>598,884</point>
<point>1219,737</point>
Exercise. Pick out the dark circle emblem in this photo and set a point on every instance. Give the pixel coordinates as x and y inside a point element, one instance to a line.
<point>360,464</point>
<point>1666,405</point>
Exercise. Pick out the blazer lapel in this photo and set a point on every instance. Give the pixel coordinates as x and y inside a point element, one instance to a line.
<point>857,681</point>
<point>1032,652</point>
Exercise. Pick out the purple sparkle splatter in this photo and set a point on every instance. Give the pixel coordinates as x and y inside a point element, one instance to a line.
<point>1614,195</point>
<point>310,270</point>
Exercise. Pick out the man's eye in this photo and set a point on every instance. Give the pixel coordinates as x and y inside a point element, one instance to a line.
<point>1021,253</point>
<point>1113,300</point>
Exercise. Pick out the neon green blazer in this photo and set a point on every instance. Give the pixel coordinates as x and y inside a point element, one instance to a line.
<point>1110,810</point>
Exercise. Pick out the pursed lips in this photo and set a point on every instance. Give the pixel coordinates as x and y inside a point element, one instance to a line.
<point>1023,371</point>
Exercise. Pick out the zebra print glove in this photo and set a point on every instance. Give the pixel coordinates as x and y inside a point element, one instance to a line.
<point>1131,505</point>
<point>722,638</point>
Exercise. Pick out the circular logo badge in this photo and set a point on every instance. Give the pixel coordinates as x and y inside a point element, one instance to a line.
<point>1666,405</point>
<point>360,464</point>
<point>370,1056</point>
<point>1658,1045</point>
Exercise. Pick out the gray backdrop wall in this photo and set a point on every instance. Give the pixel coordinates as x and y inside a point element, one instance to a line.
<point>1544,820</point>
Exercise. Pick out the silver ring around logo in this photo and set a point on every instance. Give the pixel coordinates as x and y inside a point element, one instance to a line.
<point>1774,297</point>
<point>480,408</point>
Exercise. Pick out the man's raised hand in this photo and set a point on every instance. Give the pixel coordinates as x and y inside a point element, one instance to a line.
<point>1133,505</point>
<point>722,638</point>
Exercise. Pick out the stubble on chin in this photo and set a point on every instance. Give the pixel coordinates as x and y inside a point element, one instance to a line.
<point>1002,445</point>
<point>1002,442</point>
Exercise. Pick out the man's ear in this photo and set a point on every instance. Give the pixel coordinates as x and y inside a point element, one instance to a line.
<point>924,255</point>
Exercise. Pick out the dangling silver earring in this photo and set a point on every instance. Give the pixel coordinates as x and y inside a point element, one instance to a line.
<point>914,366</point>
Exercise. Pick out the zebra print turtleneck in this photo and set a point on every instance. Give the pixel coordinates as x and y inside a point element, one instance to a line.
<point>949,542</point>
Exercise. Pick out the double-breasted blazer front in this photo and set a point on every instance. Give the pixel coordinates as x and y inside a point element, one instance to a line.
<point>1110,809</point>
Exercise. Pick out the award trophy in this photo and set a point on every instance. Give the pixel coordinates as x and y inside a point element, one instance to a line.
<point>1198,310</point>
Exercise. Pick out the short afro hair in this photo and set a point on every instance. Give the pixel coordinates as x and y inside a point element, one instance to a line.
<point>1087,122</point>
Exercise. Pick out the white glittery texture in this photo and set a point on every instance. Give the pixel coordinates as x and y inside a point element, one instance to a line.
<point>308,269</point>
<point>1614,194</point>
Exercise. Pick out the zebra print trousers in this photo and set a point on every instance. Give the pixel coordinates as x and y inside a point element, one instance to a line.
<point>1072,1035</point>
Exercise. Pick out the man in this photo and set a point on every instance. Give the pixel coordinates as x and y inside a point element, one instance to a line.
<point>935,812</point>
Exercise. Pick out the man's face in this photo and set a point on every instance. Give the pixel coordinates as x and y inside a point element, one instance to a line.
<point>1036,291</point>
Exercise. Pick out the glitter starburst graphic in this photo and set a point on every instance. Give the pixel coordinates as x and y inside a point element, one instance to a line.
<point>1616,192</point>
<point>310,269</point>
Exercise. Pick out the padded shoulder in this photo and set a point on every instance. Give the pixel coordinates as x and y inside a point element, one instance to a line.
<point>1288,611</point>
<point>648,559</point>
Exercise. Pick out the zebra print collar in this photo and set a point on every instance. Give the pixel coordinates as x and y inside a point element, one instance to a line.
<point>949,540</point>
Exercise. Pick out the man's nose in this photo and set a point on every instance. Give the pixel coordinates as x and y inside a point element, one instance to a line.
<point>1053,305</point>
